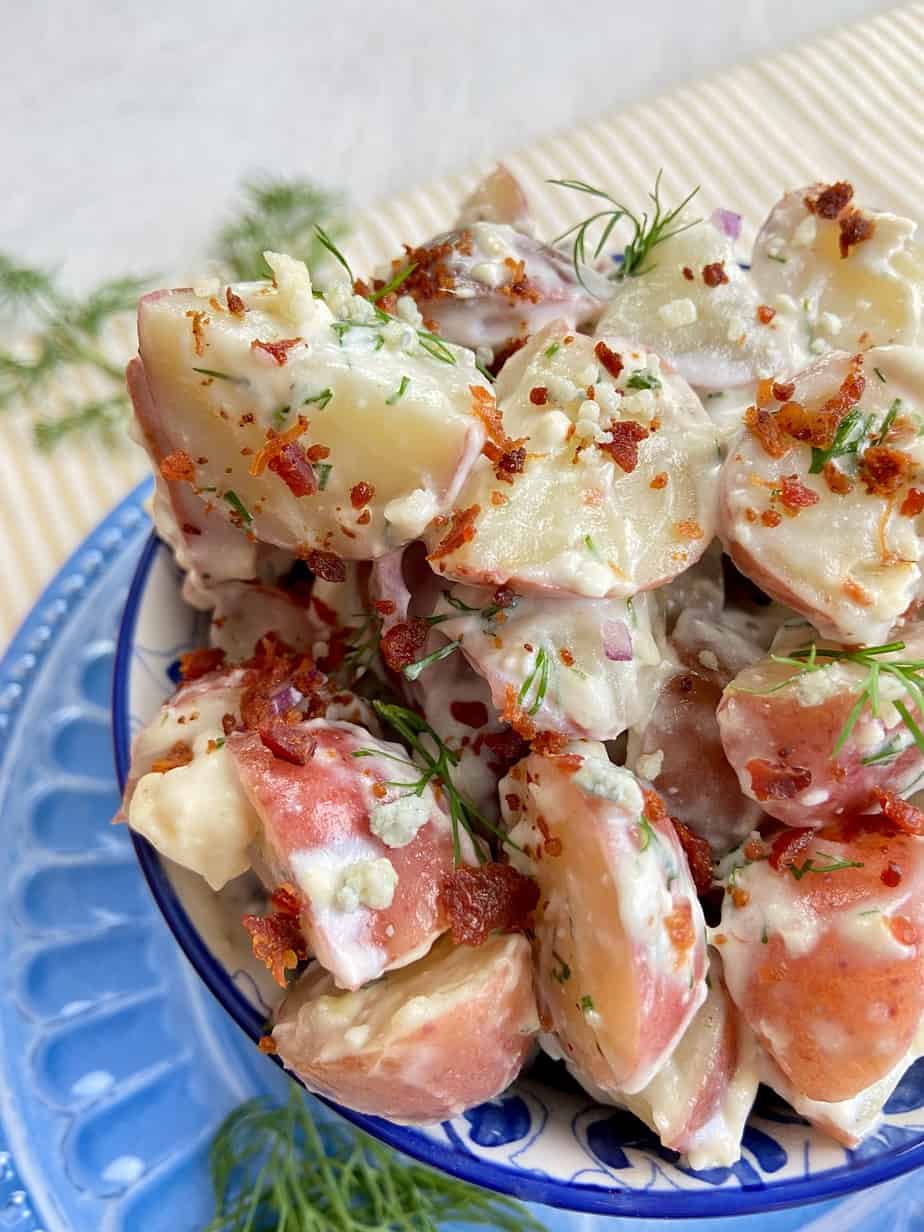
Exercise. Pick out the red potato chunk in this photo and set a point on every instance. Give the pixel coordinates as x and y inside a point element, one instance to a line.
<point>833,457</point>
<point>367,857</point>
<point>422,1044</point>
<point>782,725</point>
<point>698,1102</point>
<point>620,948</point>
<point>822,951</point>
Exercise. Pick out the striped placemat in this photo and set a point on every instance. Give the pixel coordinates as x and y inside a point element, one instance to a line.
<point>850,105</point>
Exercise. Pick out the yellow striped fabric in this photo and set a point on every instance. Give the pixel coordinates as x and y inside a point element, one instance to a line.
<point>846,106</point>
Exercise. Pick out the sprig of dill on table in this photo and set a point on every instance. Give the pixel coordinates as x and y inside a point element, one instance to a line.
<point>67,337</point>
<point>649,229</point>
<point>276,1169</point>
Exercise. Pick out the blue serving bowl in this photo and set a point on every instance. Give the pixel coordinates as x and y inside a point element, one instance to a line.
<point>543,1140</point>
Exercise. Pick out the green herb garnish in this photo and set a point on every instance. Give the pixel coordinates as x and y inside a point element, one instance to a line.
<point>399,392</point>
<point>552,349</point>
<point>537,682</point>
<point>413,670</point>
<point>647,231</point>
<point>319,400</point>
<point>562,972</point>
<point>328,243</point>
<point>277,215</point>
<point>776,256</point>
<point>221,376</point>
<point>834,865</point>
<point>238,506</point>
<point>646,833</point>
<point>586,1004</point>
<point>322,470</point>
<point>394,283</point>
<point>277,1169</point>
<point>486,613</point>
<point>643,380</point>
<point>888,421</point>
<point>847,439</point>
<point>880,374</point>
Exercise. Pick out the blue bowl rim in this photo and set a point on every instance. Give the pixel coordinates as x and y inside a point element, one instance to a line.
<point>453,1157</point>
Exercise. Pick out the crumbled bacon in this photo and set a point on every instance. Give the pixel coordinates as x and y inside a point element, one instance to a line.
<point>235,303</point>
<point>818,427</point>
<point>361,494</point>
<point>854,229</point>
<point>508,748</point>
<point>479,901</point>
<point>884,470</point>
<point>688,530</point>
<point>765,428</point>
<point>277,938</point>
<point>610,360</point>
<point>317,453</point>
<point>659,481</point>
<point>765,313</point>
<point>179,754</point>
<point>714,274</point>
<point>199,320</point>
<point>196,663</point>
<point>679,926</point>
<point>836,480</point>
<point>654,805</point>
<point>279,350</point>
<point>471,714</point>
<point>403,643</point>
<point>462,530</point>
<point>699,856</point>
<point>623,448</point>
<point>293,468</point>
<point>276,443</point>
<point>903,815</point>
<point>771,518</point>
<point>267,1045</point>
<point>511,463</point>
<point>484,406</point>
<point>288,742</point>
<point>829,201</point>
<point>430,278</point>
<point>787,847</point>
<point>326,565</point>
<point>688,273</point>
<point>782,391</point>
<point>794,495</point>
<point>228,723</point>
<point>775,780</point>
<point>178,466</point>
<point>913,504</point>
<point>539,395</point>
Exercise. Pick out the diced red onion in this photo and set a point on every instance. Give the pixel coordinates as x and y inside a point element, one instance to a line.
<point>728,222</point>
<point>617,642</point>
<point>283,701</point>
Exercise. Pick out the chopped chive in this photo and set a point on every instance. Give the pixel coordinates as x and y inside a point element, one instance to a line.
<point>880,374</point>
<point>643,380</point>
<point>279,415</point>
<point>319,400</point>
<point>562,972</point>
<point>323,470</point>
<point>333,250</point>
<point>413,670</point>
<point>399,392</point>
<point>551,350</point>
<point>586,1004</point>
<point>889,420</point>
<point>238,506</point>
<point>395,282</point>
<point>222,376</point>
<point>775,256</point>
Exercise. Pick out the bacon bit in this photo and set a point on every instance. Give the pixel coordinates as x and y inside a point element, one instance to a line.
<point>326,565</point>
<point>836,480</point>
<point>199,319</point>
<point>277,938</point>
<point>276,443</point>
<point>771,518</point>
<point>278,350</point>
<point>740,898</point>
<point>766,429</point>
<point>566,656</point>
<point>774,780</point>
<point>462,530</point>
<point>855,228</point>
<point>267,1045</point>
<point>504,596</point>
<point>794,495</point>
<point>472,714</point>
<point>196,663</point>
<point>179,754</point>
<point>903,930</point>
<point>188,529</point>
<point>688,273</point>
<point>764,393</point>
<point>714,274</point>
<point>853,590</point>
<point>891,875</point>
<point>654,805</point>
<point>679,926</point>
<point>787,847</point>
<point>228,723</point>
<point>610,360</point>
<point>751,514</point>
<point>765,314</point>
<point>698,854</point>
<point>754,849</point>
<point>659,481</point>
<point>484,406</point>
<point>317,453</point>
<point>498,498</point>
<point>539,395</point>
<point>479,901</point>
<point>293,468</point>
<point>903,816</point>
<point>288,742</point>
<point>511,463</point>
<point>782,390</point>
<point>361,494</point>
<point>178,466</point>
<point>385,607</point>
<point>571,762</point>
<point>404,642</point>
<point>913,504</point>
<point>379,790</point>
<point>688,530</point>
<point>508,748</point>
<point>830,200</point>
<point>235,303</point>
<point>884,469</point>
<point>623,448</point>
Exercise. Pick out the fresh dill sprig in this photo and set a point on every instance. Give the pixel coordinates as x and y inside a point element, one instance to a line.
<point>907,672</point>
<point>278,215</point>
<point>276,1169</point>
<point>648,229</point>
<point>834,865</point>
<point>364,644</point>
<point>413,670</point>
<point>537,682</point>
<point>851,432</point>
<point>437,761</point>
<point>105,415</point>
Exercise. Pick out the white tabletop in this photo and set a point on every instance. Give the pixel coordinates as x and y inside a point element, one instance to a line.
<point>126,128</point>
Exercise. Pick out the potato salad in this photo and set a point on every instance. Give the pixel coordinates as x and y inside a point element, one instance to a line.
<point>565,688</point>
